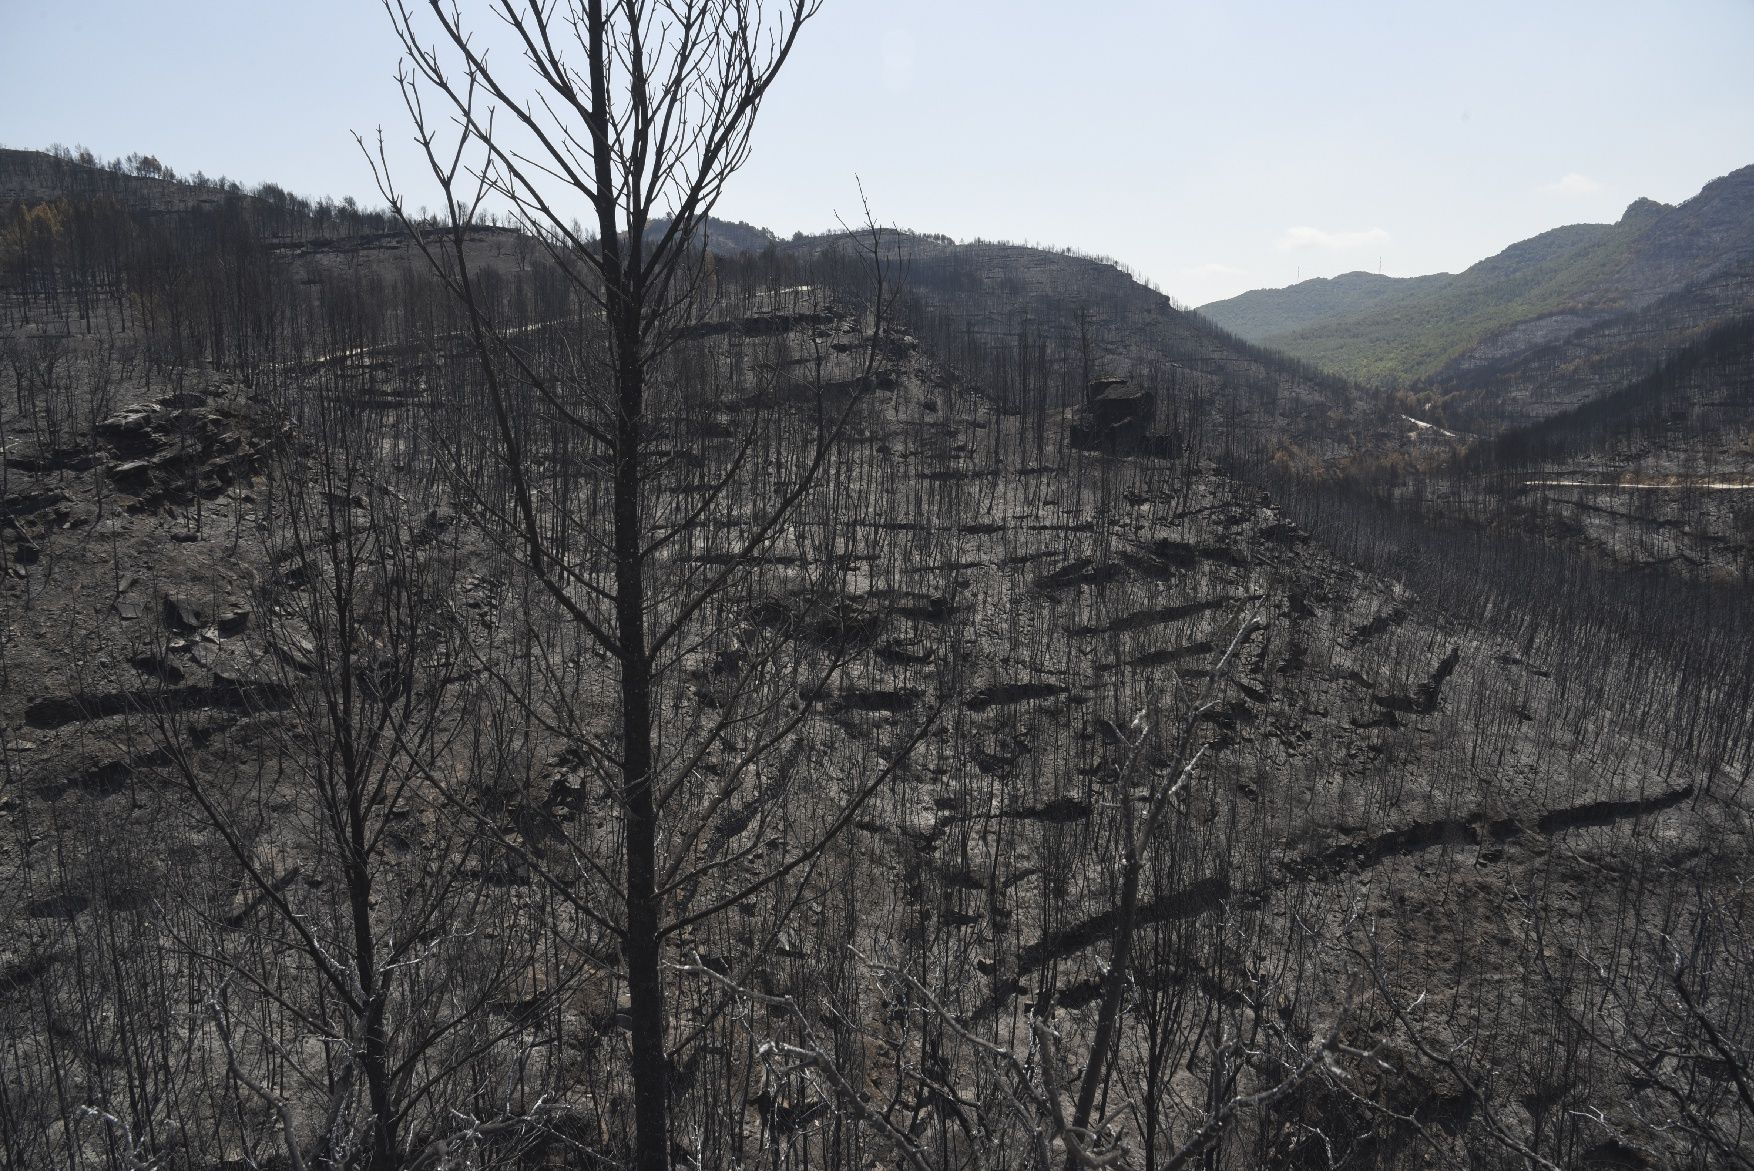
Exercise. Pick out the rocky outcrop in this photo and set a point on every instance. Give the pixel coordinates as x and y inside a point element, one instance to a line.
<point>179,447</point>
<point>1118,417</point>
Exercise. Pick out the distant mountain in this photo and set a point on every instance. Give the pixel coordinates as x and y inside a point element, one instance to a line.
<point>1588,284</point>
<point>1265,313</point>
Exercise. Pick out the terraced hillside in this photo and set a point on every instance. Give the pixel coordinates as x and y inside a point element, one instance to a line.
<point>1047,324</point>
<point>1000,760</point>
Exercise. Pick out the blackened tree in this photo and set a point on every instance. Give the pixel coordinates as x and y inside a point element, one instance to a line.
<point>643,111</point>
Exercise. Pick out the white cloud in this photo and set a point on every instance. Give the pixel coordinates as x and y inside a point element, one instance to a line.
<point>1572,184</point>
<point>1307,237</point>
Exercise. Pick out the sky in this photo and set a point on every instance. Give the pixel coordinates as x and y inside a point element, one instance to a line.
<point>1213,147</point>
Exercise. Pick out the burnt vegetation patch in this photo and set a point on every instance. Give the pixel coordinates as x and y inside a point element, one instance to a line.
<point>703,704</point>
<point>59,711</point>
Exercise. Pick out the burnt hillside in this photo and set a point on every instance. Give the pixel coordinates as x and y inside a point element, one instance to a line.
<point>308,818</point>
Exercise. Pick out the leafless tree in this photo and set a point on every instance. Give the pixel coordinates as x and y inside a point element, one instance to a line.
<point>357,922</point>
<point>643,111</point>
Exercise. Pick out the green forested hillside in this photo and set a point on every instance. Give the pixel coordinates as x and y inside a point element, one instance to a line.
<point>1531,295</point>
<point>1418,333</point>
<point>1264,313</point>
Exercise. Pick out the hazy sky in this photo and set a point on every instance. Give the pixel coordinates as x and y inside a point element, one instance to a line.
<point>1214,147</point>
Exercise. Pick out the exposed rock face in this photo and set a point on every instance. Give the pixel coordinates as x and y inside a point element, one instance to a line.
<point>1116,417</point>
<point>178,447</point>
<point>1101,386</point>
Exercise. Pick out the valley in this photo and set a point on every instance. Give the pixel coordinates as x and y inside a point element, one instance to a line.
<point>480,691</point>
